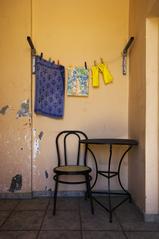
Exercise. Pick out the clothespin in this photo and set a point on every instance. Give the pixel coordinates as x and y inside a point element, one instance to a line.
<point>58,62</point>
<point>85,65</point>
<point>41,55</point>
<point>102,60</point>
<point>50,59</point>
<point>95,63</point>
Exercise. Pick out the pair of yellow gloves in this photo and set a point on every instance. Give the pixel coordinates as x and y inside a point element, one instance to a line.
<point>107,77</point>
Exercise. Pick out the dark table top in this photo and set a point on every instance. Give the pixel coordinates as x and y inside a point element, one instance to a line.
<point>110,141</point>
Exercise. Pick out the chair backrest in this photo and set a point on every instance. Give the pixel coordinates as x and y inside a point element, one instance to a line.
<point>69,149</point>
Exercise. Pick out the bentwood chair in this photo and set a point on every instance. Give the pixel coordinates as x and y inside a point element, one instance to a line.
<point>71,157</point>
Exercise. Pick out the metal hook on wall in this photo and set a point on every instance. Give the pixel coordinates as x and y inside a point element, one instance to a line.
<point>124,55</point>
<point>33,50</point>
<point>33,53</point>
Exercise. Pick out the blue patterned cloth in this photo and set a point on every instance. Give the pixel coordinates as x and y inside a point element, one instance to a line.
<point>50,88</point>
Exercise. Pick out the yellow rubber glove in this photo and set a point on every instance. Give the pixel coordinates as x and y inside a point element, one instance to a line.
<point>106,73</point>
<point>95,76</point>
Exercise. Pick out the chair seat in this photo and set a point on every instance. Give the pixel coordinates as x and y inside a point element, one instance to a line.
<point>72,169</point>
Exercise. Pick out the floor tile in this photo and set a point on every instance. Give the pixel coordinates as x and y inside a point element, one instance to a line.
<point>131,219</point>
<point>98,221</point>
<point>33,204</point>
<point>63,220</point>
<point>67,203</point>
<point>18,235</point>
<point>60,235</point>
<point>140,226</point>
<point>128,212</point>
<point>8,204</point>
<point>103,235</point>
<point>3,216</point>
<point>85,204</point>
<point>142,235</point>
<point>24,220</point>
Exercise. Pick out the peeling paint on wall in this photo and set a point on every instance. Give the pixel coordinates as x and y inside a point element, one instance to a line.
<point>4,109</point>
<point>27,139</point>
<point>41,135</point>
<point>48,189</point>
<point>36,144</point>
<point>24,109</point>
<point>16,183</point>
<point>46,174</point>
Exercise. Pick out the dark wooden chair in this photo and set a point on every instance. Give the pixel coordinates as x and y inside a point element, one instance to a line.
<point>71,157</point>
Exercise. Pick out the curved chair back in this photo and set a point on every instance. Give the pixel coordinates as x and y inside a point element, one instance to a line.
<point>69,149</point>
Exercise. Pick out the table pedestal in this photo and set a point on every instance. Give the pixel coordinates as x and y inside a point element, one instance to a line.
<point>108,174</point>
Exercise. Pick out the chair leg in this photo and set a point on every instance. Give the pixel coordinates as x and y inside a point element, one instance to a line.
<point>86,195</point>
<point>89,193</point>
<point>55,195</point>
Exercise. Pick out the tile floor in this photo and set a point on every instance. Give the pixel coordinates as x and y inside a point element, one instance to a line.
<point>33,219</point>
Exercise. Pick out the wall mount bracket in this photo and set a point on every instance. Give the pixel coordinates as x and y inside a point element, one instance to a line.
<point>124,55</point>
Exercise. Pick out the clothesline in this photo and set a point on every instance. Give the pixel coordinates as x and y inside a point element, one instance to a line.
<point>50,82</point>
<point>124,52</point>
<point>95,62</point>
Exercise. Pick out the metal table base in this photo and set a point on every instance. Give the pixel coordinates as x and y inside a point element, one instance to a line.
<point>108,174</point>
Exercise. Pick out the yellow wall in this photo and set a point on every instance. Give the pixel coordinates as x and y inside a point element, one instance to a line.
<point>143,104</point>
<point>71,32</point>
<point>15,80</point>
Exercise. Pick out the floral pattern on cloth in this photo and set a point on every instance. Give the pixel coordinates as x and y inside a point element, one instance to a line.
<point>78,81</point>
<point>50,88</point>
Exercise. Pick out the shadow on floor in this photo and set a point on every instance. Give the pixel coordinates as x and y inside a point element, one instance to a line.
<point>33,219</point>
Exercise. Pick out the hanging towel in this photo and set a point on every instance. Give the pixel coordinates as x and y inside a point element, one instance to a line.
<point>106,73</point>
<point>78,79</point>
<point>95,76</point>
<point>50,83</point>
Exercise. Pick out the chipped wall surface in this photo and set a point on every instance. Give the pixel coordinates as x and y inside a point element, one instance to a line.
<point>24,109</point>
<point>36,145</point>
<point>15,132</point>
<point>4,109</point>
<point>27,140</point>
<point>16,183</point>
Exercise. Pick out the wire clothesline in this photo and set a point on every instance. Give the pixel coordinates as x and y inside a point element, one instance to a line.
<point>123,54</point>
